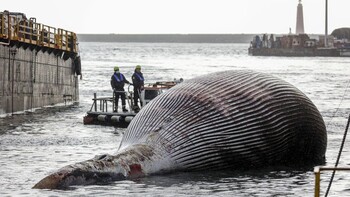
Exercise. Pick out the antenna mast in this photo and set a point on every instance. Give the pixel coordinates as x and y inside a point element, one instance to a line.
<point>326,24</point>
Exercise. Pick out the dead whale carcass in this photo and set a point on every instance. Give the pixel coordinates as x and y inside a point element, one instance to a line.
<point>224,120</point>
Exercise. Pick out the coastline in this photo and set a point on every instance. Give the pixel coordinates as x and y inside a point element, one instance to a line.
<point>167,38</point>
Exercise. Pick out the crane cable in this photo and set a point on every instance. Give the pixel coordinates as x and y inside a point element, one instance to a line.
<point>338,158</point>
<point>341,101</point>
<point>344,137</point>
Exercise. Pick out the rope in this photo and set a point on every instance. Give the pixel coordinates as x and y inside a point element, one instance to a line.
<point>338,158</point>
<point>341,101</point>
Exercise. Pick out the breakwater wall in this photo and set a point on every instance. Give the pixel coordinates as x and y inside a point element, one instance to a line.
<point>167,38</point>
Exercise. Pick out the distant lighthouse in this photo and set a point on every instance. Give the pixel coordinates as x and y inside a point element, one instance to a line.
<point>300,19</point>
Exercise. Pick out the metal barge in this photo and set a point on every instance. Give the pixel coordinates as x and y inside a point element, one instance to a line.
<point>39,64</point>
<point>101,111</point>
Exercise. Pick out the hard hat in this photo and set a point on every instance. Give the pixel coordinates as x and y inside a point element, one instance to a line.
<point>116,68</point>
<point>138,67</point>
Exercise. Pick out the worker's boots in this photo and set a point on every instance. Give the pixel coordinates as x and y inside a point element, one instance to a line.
<point>124,109</point>
<point>136,108</point>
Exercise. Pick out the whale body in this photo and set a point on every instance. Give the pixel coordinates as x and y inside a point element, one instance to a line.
<point>224,120</point>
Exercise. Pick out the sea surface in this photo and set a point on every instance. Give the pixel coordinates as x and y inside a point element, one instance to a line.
<point>38,143</point>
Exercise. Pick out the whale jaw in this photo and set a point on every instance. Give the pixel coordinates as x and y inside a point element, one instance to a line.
<point>99,170</point>
<point>65,178</point>
<point>129,163</point>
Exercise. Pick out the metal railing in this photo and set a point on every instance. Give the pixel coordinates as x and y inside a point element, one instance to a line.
<point>317,171</point>
<point>103,103</point>
<point>29,31</point>
<point>100,104</point>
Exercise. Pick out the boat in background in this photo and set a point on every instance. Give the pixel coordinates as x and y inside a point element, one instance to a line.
<point>300,45</point>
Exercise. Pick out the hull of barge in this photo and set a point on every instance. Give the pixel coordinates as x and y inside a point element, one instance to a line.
<point>33,77</point>
<point>300,52</point>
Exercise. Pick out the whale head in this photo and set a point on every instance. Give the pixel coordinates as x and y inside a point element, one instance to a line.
<point>99,170</point>
<point>102,169</point>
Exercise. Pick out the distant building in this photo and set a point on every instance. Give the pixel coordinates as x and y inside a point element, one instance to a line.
<point>299,40</point>
<point>300,44</point>
<point>300,19</point>
<point>311,43</point>
<point>330,41</point>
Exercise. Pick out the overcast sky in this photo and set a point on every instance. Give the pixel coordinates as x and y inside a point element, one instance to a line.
<point>182,16</point>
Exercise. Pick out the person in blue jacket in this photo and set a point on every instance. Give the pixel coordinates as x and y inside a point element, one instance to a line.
<point>118,81</point>
<point>138,82</point>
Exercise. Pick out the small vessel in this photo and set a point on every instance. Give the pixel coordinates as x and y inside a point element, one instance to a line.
<point>101,111</point>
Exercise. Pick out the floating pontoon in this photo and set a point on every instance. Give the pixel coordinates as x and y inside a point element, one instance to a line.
<point>101,111</point>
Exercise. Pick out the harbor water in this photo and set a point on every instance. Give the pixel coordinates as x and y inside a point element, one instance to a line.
<point>41,141</point>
